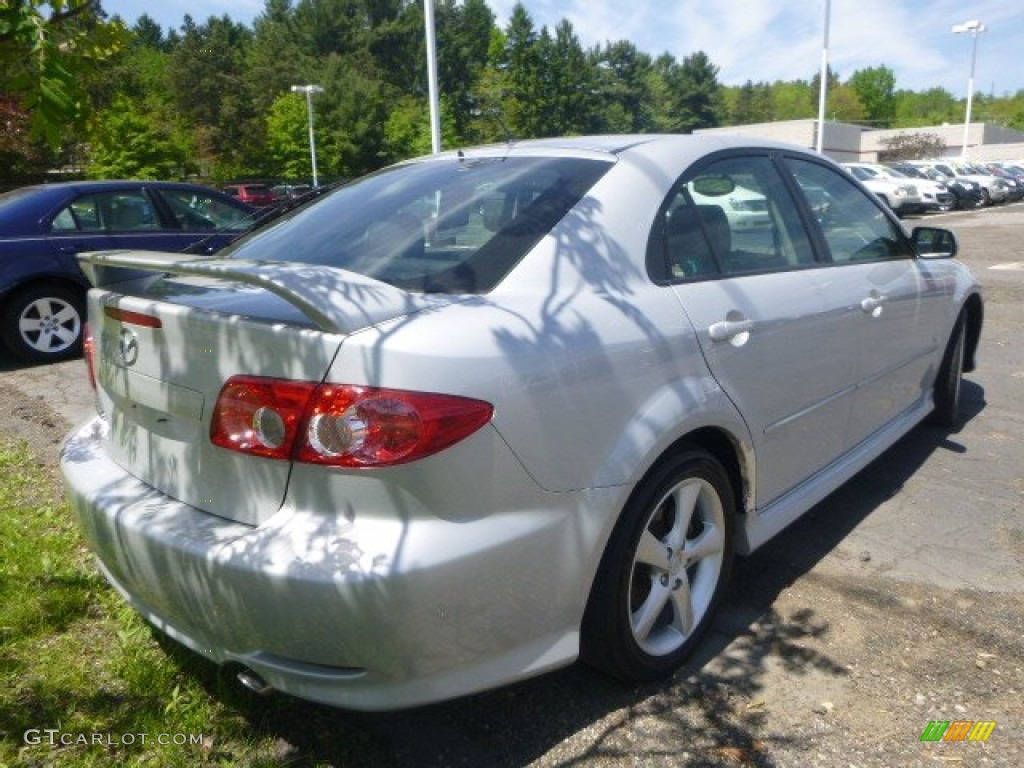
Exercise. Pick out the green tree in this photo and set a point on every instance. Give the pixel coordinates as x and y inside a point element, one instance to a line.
<point>748,103</point>
<point>209,87</point>
<point>126,144</point>
<point>567,87</point>
<point>876,87</point>
<point>521,69</point>
<point>463,38</point>
<point>49,49</point>
<point>623,80</point>
<point>844,105</point>
<point>931,107</point>
<point>288,137</point>
<point>275,59</point>
<point>794,100</point>
<point>693,92</point>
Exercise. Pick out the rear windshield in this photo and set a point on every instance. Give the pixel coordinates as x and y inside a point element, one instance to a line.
<point>455,226</point>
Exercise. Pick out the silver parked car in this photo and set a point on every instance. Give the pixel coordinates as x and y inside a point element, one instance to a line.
<point>479,414</point>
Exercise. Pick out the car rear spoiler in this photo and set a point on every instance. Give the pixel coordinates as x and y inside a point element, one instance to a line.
<point>336,300</point>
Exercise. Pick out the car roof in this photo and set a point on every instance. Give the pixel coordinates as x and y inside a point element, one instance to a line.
<point>23,207</point>
<point>102,184</point>
<point>674,149</point>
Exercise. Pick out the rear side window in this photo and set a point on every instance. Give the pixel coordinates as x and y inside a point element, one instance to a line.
<point>733,216</point>
<point>454,226</point>
<point>118,211</point>
<point>855,227</point>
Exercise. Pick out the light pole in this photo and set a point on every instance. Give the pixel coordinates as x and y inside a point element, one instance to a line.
<point>975,28</point>
<point>309,90</point>
<point>823,85</point>
<point>435,108</point>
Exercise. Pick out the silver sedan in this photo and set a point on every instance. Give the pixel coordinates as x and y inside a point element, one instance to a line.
<point>483,413</point>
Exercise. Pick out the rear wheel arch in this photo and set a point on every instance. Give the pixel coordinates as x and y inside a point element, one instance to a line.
<point>655,525</point>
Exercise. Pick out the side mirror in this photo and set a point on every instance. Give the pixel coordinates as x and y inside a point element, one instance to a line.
<point>934,243</point>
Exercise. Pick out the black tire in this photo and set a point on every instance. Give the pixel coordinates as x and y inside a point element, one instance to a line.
<point>986,198</point>
<point>949,380</point>
<point>652,599</point>
<point>44,323</point>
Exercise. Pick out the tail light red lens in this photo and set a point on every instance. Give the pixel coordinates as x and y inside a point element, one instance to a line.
<point>340,425</point>
<point>260,416</point>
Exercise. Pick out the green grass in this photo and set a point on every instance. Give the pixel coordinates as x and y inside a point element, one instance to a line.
<point>73,657</point>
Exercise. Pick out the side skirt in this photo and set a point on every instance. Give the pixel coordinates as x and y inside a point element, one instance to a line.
<point>764,523</point>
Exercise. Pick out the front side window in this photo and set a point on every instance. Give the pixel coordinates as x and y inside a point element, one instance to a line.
<point>448,226</point>
<point>855,227</point>
<point>193,209</point>
<point>733,216</point>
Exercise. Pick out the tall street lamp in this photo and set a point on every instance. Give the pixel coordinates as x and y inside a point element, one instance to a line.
<point>309,90</point>
<point>975,28</point>
<point>823,85</point>
<point>435,108</point>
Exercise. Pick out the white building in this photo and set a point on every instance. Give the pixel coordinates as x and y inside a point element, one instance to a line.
<point>845,142</point>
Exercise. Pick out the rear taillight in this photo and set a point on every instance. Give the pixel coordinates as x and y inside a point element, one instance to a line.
<point>89,354</point>
<point>340,425</point>
<point>259,415</point>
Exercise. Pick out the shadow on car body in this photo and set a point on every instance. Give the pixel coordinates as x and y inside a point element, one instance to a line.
<point>518,724</point>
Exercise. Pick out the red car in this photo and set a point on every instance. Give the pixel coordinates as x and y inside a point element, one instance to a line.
<point>252,194</point>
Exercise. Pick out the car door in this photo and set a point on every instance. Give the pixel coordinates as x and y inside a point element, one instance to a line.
<point>123,217</point>
<point>761,313</point>
<point>77,227</point>
<point>895,301</point>
<point>201,216</point>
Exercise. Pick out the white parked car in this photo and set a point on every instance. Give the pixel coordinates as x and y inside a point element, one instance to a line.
<point>993,189</point>
<point>935,196</point>
<point>902,197</point>
<point>476,415</point>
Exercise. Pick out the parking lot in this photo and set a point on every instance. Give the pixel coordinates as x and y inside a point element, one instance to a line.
<point>895,602</point>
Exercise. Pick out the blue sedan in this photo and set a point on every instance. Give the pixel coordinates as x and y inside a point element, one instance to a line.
<point>43,229</point>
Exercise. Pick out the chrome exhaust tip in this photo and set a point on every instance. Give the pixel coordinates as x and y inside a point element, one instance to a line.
<point>254,682</point>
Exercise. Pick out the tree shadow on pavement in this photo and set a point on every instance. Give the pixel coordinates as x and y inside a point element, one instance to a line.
<point>702,716</point>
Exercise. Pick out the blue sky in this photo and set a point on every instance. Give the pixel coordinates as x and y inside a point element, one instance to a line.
<point>759,40</point>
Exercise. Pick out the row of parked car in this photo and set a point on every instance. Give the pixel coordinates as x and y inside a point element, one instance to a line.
<point>262,195</point>
<point>917,186</point>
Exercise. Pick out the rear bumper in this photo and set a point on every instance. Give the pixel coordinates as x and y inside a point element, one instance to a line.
<point>366,611</point>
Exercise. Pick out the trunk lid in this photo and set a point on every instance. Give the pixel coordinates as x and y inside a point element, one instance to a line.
<point>165,345</point>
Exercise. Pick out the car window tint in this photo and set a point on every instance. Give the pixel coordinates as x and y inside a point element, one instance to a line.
<point>732,217</point>
<point>456,226</point>
<point>194,210</point>
<point>64,221</point>
<point>84,213</point>
<point>118,211</point>
<point>855,227</point>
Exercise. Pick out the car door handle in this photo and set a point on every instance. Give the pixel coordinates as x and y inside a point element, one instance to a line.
<point>872,305</point>
<point>727,330</point>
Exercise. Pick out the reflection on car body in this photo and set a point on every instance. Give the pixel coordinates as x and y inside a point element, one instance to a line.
<point>476,415</point>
